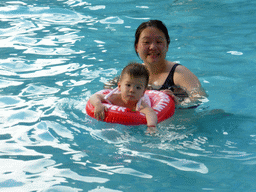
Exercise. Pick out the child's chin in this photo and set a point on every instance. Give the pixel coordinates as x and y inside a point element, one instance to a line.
<point>132,100</point>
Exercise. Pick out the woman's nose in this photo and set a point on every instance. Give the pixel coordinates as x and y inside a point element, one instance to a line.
<point>152,45</point>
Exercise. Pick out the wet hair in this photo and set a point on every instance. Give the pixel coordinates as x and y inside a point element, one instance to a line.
<point>151,23</point>
<point>136,70</point>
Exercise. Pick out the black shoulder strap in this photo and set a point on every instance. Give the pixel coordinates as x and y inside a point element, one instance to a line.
<point>169,80</point>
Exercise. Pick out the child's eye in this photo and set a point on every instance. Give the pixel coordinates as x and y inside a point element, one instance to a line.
<point>128,85</point>
<point>139,88</point>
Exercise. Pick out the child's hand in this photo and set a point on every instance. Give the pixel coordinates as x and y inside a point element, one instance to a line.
<point>152,130</point>
<point>99,111</point>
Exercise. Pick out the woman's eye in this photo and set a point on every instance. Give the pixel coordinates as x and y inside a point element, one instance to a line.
<point>139,88</point>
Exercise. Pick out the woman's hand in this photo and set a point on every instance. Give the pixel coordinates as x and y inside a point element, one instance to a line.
<point>169,92</point>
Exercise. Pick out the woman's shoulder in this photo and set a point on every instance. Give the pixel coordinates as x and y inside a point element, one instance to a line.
<point>171,66</point>
<point>183,76</point>
<point>185,72</point>
<point>179,68</point>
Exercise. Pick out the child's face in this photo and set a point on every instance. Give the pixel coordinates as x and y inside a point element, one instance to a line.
<point>132,89</point>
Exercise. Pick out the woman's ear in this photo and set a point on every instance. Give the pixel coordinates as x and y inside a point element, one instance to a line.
<point>136,46</point>
<point>167,48</point>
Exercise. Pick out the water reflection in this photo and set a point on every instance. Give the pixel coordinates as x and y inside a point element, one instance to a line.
<point>52,60</point>
<point>212,134</point>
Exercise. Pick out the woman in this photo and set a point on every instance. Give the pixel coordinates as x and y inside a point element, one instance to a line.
<point>151,45</point>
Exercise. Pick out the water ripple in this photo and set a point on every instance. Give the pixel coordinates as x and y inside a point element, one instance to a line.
<point>180,164</point>
<point>45,15</point>
<point>56,54</point>
<point>52,71</point>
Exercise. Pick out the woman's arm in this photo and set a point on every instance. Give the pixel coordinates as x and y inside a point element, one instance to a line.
<point>99,109</point>
<point>186,80</point>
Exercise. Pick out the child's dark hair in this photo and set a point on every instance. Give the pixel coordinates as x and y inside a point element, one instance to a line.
<point>135,70</point>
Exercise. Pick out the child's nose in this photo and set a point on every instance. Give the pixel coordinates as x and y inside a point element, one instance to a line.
<point>132,89</point>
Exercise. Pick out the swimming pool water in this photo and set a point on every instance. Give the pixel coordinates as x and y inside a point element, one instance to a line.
<point>56,54</point>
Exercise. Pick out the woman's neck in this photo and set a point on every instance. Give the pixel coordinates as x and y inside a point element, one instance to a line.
<point>157,68</point>
<point>158,73</point>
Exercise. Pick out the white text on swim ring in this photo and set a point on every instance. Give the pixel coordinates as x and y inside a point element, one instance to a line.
<point>115,107</point>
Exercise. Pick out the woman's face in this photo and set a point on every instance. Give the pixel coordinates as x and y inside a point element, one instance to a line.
<point>152,45</point>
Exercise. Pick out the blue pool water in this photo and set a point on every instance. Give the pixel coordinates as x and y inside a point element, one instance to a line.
<point>56,54</point>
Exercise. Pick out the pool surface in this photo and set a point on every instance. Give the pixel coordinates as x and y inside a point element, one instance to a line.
<point>56,54</point>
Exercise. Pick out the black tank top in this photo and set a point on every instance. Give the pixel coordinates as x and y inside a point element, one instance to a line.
<point>169,83</point>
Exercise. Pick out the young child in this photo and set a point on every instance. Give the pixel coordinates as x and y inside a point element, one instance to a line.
<point>129,93</point>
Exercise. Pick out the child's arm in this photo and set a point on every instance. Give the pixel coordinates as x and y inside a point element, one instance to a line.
<point>99,109</point>
<point>150,116</point>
